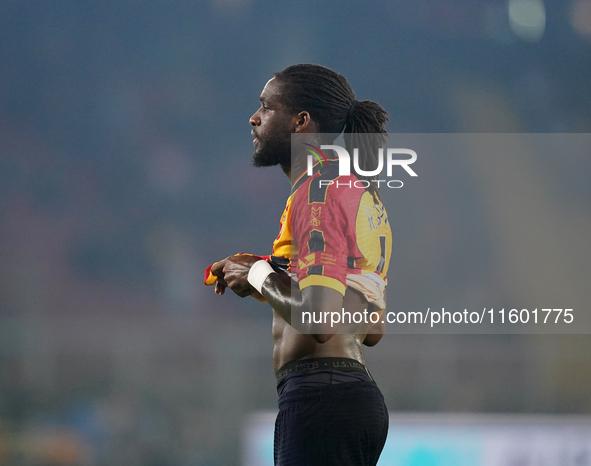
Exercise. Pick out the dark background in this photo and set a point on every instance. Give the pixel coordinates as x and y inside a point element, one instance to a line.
<point>125,171</point>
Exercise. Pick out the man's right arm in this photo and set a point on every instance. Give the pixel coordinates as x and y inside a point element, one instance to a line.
<point>283,295</point>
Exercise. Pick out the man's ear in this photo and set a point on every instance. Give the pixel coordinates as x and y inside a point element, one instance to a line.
<point>304,123</point>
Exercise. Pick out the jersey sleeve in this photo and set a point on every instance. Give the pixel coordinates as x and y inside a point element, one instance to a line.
<point>320,236</point>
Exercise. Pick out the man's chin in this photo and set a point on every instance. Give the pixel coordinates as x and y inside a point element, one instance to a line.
<point>264,160</point>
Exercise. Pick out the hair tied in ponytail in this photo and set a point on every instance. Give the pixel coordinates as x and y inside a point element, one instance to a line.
<point>351,110</point>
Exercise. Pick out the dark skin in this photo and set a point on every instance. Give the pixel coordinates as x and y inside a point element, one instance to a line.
<point>272,126</point>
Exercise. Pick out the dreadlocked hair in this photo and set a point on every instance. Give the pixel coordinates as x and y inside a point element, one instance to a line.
<point>329,99</point>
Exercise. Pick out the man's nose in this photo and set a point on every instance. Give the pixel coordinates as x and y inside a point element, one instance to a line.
<point>255,120</point>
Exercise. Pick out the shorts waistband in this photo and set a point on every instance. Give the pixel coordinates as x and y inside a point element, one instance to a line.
<point>319,364</point>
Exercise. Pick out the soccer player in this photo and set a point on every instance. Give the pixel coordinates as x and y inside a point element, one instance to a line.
<point>331,255</point>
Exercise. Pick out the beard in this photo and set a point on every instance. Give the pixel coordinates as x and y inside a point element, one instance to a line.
<point>273,151</point>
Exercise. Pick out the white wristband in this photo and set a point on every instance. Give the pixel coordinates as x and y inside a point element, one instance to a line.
<point>258,274</point>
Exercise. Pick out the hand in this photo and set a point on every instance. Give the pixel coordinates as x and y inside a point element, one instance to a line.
<point>220,286</point>
<point>232,272</point>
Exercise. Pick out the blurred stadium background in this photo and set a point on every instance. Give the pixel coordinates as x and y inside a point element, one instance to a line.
<point>125,171</point>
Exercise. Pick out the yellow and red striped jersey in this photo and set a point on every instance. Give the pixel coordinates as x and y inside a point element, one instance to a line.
<point>330,231</point>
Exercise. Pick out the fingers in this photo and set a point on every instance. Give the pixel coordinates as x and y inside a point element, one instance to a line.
<point>232,273</point>
<point>222,281</point>
<point>244,292</point>
<point>220,288</point>
<point>221,285</point>
<point>217,269</point>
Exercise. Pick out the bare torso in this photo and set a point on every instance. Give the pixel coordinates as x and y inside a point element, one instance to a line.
<point>290,345</point>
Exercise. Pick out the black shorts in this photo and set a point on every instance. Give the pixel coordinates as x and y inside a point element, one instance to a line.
<point>329,417</point>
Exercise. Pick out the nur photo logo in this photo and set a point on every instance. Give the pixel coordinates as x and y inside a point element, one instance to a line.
<point>390,161</point>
